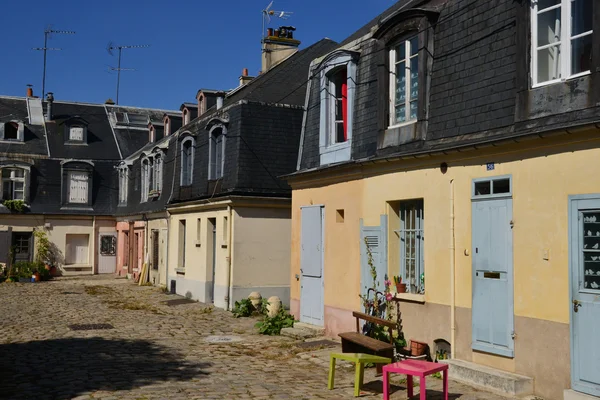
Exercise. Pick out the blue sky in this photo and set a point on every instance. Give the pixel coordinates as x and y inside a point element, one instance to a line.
<point>194,44</point>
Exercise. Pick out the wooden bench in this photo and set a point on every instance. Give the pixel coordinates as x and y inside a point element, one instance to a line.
<point>356,342</point>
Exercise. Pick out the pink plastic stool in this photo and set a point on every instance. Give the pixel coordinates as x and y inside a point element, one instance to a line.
<point>412,368</point>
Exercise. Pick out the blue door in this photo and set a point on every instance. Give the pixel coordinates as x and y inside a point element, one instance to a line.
<point>492,312</point>
<point>311,265</point>
<point>376,238</point>
<point>584,232</point>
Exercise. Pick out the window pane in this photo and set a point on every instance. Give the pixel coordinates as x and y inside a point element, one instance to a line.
<point>401,52</point>
<point>581,16</point>
<point>7,192</point>
<point>76,133</point>
<point>502,186</point>
<point>18,186</point>
<point>482,188</point>
<point>400,84</point>
<point>581,54</point>
<point>6,173</point>
<point>413,109</point>
<point>400,114</point>
<point>414,45</point>
<point>542,4</point>
<point>339,132</point>
<point>548,64</point>
<point>19,195</point>
<point>19,173</point>
<point>414,78</point>
<point>549,27</point>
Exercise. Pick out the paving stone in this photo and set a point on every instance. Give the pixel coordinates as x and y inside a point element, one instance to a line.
<point>156,351</point>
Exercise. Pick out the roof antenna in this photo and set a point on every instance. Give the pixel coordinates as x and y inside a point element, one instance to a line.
<point>47,33</point>
<point>267,13</point>
<point>112,47</point>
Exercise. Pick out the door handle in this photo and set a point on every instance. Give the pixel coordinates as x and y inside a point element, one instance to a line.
<point>576,305</point>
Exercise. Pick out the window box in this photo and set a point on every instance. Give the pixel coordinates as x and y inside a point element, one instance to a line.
<point>410,297</point>
<point>15,206</point>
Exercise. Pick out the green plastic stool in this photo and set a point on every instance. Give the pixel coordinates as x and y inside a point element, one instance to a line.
<point>360,359</point>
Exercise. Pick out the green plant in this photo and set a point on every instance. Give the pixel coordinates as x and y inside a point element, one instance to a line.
<point>14,205</point>
<point>397,280</point>
<point>243,308</point>
<point>42,246</point>
<point>273,325</point>
<point>24,269</point>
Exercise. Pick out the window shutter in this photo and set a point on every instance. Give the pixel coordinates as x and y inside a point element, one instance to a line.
<point>4,245</point>
<point>26,186</point>
<point>345,108</point>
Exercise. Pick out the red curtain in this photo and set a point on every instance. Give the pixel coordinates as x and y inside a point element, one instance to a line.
<point>345,109</point>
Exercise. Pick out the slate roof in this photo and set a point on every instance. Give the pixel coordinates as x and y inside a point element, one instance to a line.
<point>15,108</point>
<point>285,83</point>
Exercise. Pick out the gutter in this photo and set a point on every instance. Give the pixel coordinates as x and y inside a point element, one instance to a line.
<point>452,274</point>
<point>229,295</point>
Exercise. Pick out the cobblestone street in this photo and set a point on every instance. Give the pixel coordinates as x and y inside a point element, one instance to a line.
<point>155,351</point>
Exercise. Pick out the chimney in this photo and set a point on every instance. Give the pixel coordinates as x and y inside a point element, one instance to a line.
<point>49,101</point>
<point>219,102</point>
<point>245,79</point>
<point>277,46</point>
<point>109,101</point>
<point>29,90</point>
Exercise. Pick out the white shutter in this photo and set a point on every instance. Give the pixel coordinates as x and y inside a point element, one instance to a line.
<point>78,187</point>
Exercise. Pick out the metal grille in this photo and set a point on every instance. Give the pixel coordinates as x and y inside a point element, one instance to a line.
<point>412,245</point>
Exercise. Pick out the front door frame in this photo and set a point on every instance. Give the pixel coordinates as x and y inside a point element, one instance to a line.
<point>573,220</point>
<point>510,269</point>
<point>322,207</point>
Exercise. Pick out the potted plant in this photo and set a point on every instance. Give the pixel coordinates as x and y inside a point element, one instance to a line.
<point>417,348</point>
<point>44,253</point>
<point>400,287</point>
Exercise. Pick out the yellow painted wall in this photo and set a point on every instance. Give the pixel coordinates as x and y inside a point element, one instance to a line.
<point>342,251</point>
<point>543,177</point>
<point>261,247</point>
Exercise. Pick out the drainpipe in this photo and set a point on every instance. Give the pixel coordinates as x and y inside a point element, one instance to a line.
<point>167,283</point>
<point>452,273</point>
<point>94,237</point>
<point>146,248</point>
<point>229,294</point>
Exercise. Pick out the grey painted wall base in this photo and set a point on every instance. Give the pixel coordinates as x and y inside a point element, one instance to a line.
<point>193,289</point>
<point>283,292</point>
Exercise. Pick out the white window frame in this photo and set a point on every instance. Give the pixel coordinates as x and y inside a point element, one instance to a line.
<point>336,152</point>
<point>70,175</point>
<point>123,184</point>
<point>393,60</point>
<point>14,179</point>
<point>190,161</point>
<point>563,45</point>
<point>20,131</point>
<point>419,250</point>
<point>157,174</point>
<point>212,174</point>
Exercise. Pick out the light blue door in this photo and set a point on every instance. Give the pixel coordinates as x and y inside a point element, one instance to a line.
<point>584,232</point>
<point>492,313</point>
<point>311,265</point>
<point>375,238</point>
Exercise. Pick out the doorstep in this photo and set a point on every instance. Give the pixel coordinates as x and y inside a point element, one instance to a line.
<point>491,379</point>
<point>303,331</point>
<point>570,394</point>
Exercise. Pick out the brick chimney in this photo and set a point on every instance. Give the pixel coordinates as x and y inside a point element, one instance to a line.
<point>278,45</point>
<point>29,90</point>
<point>245,79</point>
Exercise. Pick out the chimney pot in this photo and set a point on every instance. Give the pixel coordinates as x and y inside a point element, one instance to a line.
<point>245,72</point>
<point>219,102</point>
<point>269,31</point>
<point>29,91</point>
<point>49,101</point>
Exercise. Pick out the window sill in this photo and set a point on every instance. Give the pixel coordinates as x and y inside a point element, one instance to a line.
<point>410,297</point>
<point>12,141</point>
<point>561,80</point>
<point>180,271</point>
<point>75,143</point>
<point>407,123</point>
<point>338,152</point>
<point>83,207</point>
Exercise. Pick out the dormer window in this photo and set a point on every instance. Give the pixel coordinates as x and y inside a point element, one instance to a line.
<point>216,152</point>
<point>12,130</point>
<point>77,182</point>
<point>151,176</point>
<point>76,133</point>
<point>404,81</point>
<point>13,184</point>
<point>561,36</point>
<point>187,161</point>
<point>123,184</point>
<point>338,77</point>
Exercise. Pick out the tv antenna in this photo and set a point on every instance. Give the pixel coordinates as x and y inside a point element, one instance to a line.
<point>110,49</point>
<point>268,12</point>
<point>47,33</point>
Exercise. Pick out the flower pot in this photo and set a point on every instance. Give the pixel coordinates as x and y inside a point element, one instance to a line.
<point>417,348</point>
<point>53,271</point>
<point>36,276</point>
<point>401,287</point>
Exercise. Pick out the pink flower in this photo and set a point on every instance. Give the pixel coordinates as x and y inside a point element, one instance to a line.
<point>389,297</point>
<point>387,283</point>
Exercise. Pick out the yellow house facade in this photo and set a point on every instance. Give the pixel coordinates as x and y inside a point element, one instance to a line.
<point>543,174</point>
